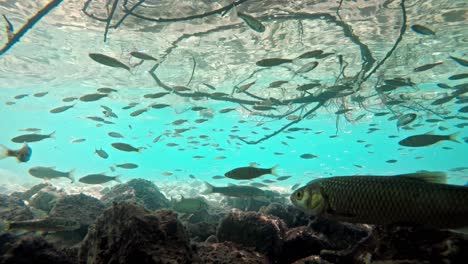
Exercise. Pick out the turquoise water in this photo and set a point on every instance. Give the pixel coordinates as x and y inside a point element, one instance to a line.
<point>54,58</point>
<point>336,155</point>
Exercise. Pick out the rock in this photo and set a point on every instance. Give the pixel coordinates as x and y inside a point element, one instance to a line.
<point>228,253</point>
<point>80,207</point>
<point>302,242</point>
<point>419,245</point>
<point>139,191</point>
<point>13,209</point>
<point>26,195</point>
<point>292,216</point>
<point>43,200</point>
<point>340,235</point>
<point>212,239</point>
<point>312,260</point>
<point>128,233</point>
<point>201,230</point>
<point>404,245</point>
<point>30,249</point>
<point>251,229</point>
<point>46,198</point>
<point>299,218</point>
<point>278,210</point>
<point>211,216</point>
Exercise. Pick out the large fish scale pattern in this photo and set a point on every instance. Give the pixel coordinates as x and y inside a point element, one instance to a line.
<point>395,200</point>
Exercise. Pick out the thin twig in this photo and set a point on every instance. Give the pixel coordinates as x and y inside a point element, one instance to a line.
<point>109,19</point>
<point>203,15</point>
<point>193,70</point>
<point>85,11</point>
<point>283,128</point>
<point>15,37</point>
<point>127,13</point>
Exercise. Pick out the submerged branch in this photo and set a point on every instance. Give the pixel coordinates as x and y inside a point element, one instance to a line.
<point>283,128</point>
<point>109,18</point>
<point>85,11</point>
<point>127,13</point>
<point>16,36</point>
<point>193,71</point>
<point>203,15</point>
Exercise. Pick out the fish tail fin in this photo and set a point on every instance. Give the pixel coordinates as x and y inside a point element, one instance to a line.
<point>71,175</point>
<point>52,135</point>
<point>273,170</point>
<point>209,188</point>
<point>117,178</point>
<point>454,137</point>
<point>140,149</point>
<point>3,152</point>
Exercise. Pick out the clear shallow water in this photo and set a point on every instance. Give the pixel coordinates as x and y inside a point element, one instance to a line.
<point>53,57</point>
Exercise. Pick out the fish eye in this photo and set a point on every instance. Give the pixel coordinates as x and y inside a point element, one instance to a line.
<point>299,195</point>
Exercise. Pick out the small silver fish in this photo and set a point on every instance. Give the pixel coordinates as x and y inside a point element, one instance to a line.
<point>98,179</point>
<point>108,61</point>
<point>307,67</point>
<point>127,166</point>
<point>252,22</point>
<point>142,56</point>
<point>427,139</point>
<point>61,109</point>
<point>101,153</point>
<point>126,147</point>
<point>31,138</point>
<point>406,119</point>
<point>115,135</point>
<point>93,97</point>
<point>49,173</point>
<point>49,224</point>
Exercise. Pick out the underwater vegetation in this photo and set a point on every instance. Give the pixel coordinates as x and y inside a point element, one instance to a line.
<point>246,131</point>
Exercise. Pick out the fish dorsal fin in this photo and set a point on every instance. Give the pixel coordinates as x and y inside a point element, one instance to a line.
<point>253,165</point>
<point>430,132</point>
<point>427,176</point>
<point>230,184</point>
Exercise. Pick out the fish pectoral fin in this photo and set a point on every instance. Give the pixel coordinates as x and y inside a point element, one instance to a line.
<point>427,176</point>
<point>463,230</point>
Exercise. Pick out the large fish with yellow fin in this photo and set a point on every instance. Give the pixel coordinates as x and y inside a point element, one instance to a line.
<point>421,198</point>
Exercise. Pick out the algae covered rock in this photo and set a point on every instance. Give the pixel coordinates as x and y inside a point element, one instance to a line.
<point>312,260</point>
<point>13,209</point>
<point>302,242</point>
<point>341,235</point>
<point>46,198</point>
<point>139,191</point>
<point>128,233</point>
<point>420,245</point>
<point>80,207</point>
<point>200,231</point>
<point>30,249</point>
<point>26,195</point>
<point>251,229</point>
<point>228,253</point>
